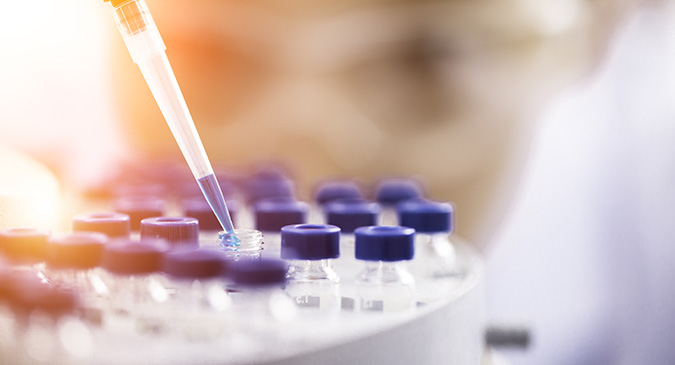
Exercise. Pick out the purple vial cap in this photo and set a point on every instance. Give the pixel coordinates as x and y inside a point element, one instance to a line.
<point>202,263</point>
<point>139,208</point>
<point>113,225</point>
<point>272,214</point>
<point>200,209</point>
<point>384,243</point>
<point>34,295</point>
<point>310,242</point>
<point>125,257</point>
<point>77,250</point>
<point>24,244</point>
<point>263,272</point>
<point>351,214</point>
<point>179,232</point>
<point>426,216</point>
<point>394,191</point>
<point>268,183</point>
<point>329,191</point>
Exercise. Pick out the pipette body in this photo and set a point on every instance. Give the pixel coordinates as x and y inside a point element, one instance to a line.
<point>147,50</point>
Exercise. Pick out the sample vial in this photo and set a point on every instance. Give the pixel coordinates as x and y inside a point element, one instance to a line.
<point>349,214</point>
<point>262,307</point>
<point>199,208</point>
<point>25,249</point>
<point>389,192</point>
<point>48,327</point>
<point>274,213</point>
<point>311,280</point>
<point>197,309</point>
<point>73,261</point>
<point>181,233</point>
<point>249,247</point>
<point>137,288</point>
<point>435,256</point>
<point>385,284</point>
<point>268,183</point>
<point>333,190</point>
<point>113,225</point>
<point>139,208</point>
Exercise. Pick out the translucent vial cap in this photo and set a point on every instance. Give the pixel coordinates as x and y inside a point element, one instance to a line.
<point>310,242</point>
<point>24,244</point>
<point>179,232</point>
<point>349,214</point>
<point>426,216</point>
<point>272,214</point>
<point>113,225</point>
<point>78,250</point>
<point>200,209</point>
<point>329,191</point>
<point>384,243</point>
<point>125,257</point>
<point>202,263</point>
<point>265,272</point>
<point>395,190</point>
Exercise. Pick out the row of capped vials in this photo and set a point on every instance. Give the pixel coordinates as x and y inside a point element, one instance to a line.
<point>169,280</point>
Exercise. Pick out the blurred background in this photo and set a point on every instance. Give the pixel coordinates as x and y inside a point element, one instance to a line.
<point>577,223</point>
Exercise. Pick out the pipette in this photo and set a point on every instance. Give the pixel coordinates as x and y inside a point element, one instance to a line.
<point>146,47</point>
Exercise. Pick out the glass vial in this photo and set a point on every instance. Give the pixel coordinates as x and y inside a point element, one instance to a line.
<point>138,293</point>
<point>311,280</point>
<point>248,247</point>
<point>385,284</point>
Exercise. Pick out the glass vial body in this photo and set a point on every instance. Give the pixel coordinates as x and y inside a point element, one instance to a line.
<point>248,247</point>
<point>385,287</point>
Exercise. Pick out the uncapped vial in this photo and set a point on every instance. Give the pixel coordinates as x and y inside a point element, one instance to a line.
<point>137,289</point>
<point>197,308</point>
<point>311,280</point>
<point>385,284</point>
<point>181,233</point>
<point>248,247</point>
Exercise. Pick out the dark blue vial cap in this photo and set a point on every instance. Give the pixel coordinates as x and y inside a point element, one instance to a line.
<point>125,257</point>
<point>179,232</point>
<point>310,242</point>
<point>78,250</point>
<point>394,191</point>
<point>202,263</point>
<point>272,214</point>
<point>329,191</point>
<point>200,209</point>
<point>426,216</point>
<point>384,243</point>
<point>113,225</point>
<point>54,301</point>
<point>351,214</point>
<point>263,272</point>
